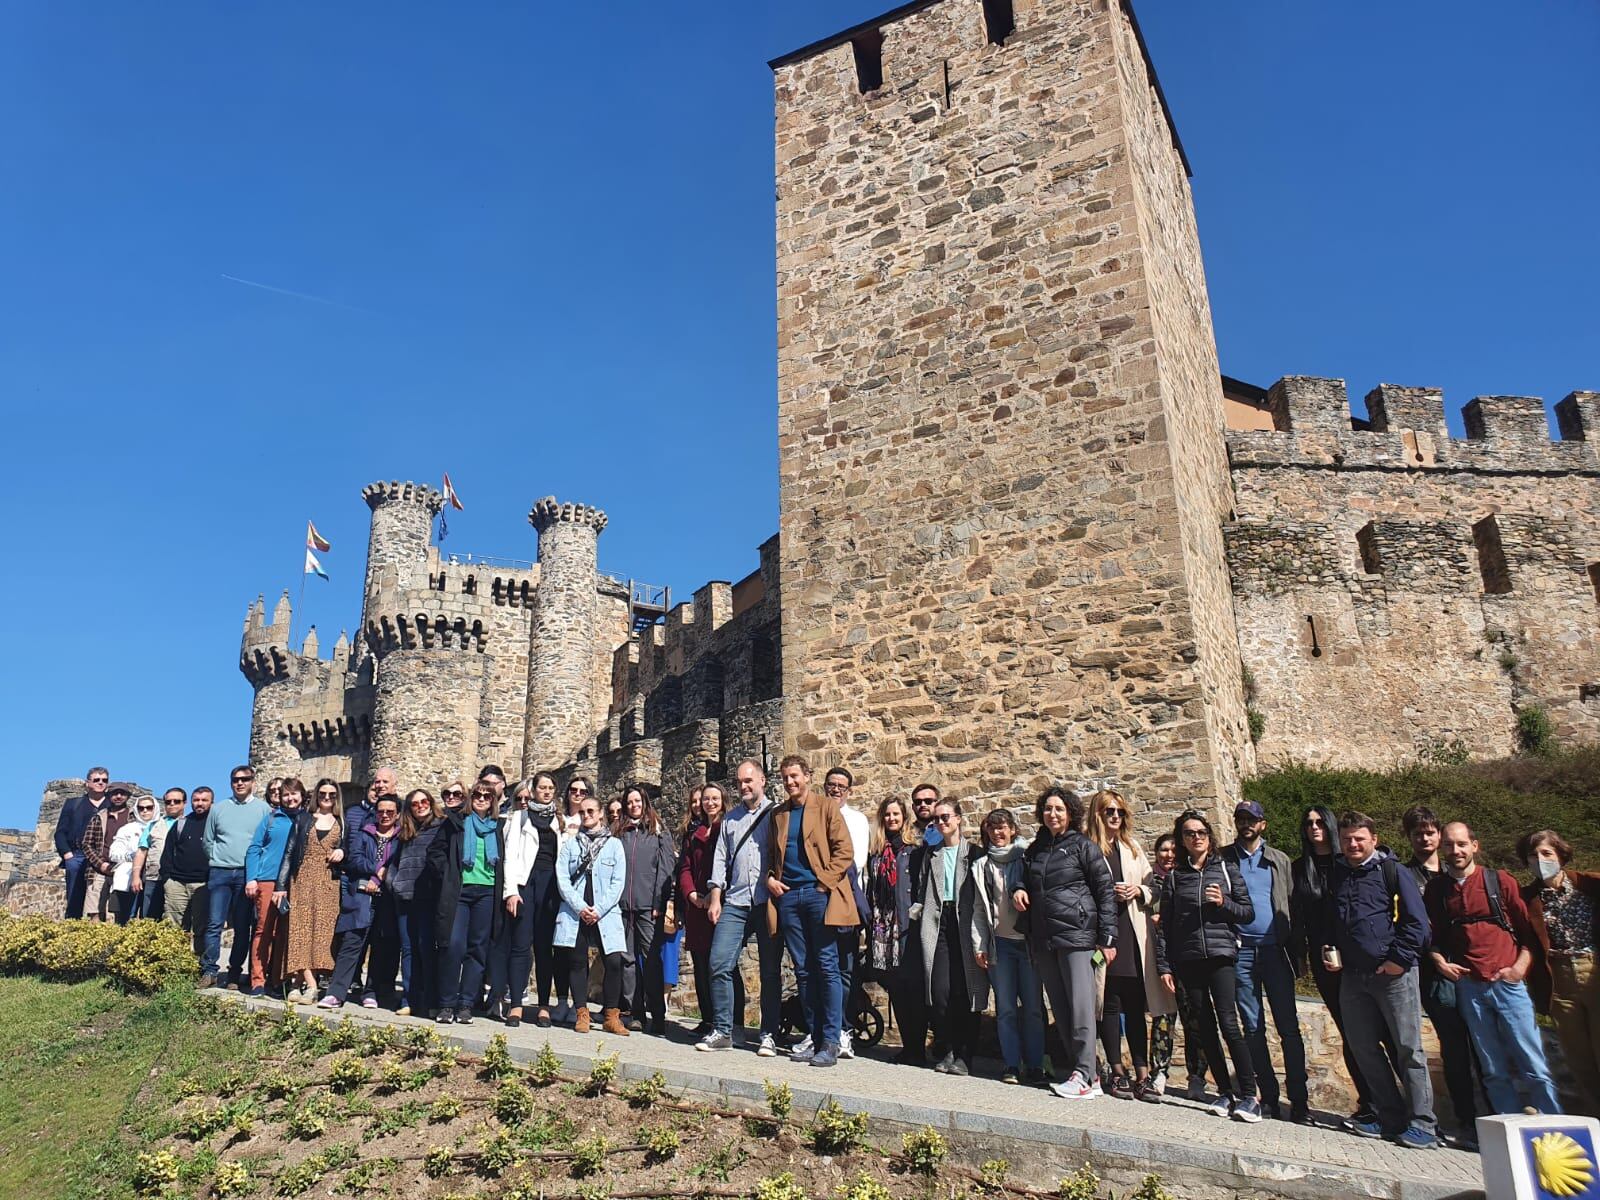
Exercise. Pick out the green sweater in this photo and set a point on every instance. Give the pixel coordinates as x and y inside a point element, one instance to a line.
<point>480,871</point>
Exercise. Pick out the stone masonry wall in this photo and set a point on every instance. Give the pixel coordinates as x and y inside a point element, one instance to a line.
<point>1370,622</point>
<point>982,550</point>
<point>561,682</point>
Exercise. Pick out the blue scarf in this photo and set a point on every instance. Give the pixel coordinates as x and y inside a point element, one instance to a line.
<point>473,828</point>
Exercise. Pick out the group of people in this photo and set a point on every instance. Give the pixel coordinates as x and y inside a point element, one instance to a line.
<point>481,901</point>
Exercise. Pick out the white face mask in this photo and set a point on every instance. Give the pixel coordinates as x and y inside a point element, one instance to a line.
<point>1546,869</point>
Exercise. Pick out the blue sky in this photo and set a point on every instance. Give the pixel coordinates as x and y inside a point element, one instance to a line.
<point>532,245</point>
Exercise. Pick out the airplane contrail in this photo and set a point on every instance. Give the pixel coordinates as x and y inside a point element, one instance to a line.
<point>267,287</point>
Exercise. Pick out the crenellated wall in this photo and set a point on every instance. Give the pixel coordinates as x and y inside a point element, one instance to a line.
<point>1396,588</point>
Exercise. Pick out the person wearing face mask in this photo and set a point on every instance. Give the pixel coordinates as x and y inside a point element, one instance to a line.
<point>361,887</point>
<point>1563,906</point>
<point>98,836</point>
<point>124,852</point>
<point>1001,949</point>
<point>1483,943</point>
<point>591,874</point>
<point>467,859</point>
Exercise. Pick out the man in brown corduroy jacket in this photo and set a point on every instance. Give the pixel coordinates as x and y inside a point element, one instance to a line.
<point>812,900</point>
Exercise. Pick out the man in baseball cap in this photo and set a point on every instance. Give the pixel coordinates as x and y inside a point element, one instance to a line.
<point>1265,969</point>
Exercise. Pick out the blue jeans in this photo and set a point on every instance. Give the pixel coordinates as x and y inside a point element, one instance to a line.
<point>228,906</point>
<point>1265,971</point>
<point>1499,1016</point>
<point>814,950</point>
<point>1017,1000</point>
<point>77,884</point>
<point>733,929</point>
<point>461,962</point>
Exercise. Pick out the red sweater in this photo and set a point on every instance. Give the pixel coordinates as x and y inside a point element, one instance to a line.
<point>1465,932</point>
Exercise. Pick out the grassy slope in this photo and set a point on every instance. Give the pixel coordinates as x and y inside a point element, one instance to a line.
<point>1501,800</point>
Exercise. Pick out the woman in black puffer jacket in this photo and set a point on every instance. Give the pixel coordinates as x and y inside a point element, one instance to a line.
<point>1202,904</point>
<point>1071,912</point>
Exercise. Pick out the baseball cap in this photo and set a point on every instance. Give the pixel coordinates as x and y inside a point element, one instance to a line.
<point>1251,809</point>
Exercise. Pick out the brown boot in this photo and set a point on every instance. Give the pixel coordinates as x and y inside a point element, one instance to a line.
<point>580,1022</point>
<point>613,1022</point>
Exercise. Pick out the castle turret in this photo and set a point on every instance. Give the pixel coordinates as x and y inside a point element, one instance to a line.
<point>397,544</point>
<point>561,660</point>
<point>267,662</point>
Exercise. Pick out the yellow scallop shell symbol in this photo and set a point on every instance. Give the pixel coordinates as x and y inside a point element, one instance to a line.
<point>1564,1169</point>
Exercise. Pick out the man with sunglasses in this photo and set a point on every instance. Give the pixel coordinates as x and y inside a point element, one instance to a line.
<point>1268,962</point>
<point>185,868</point>
<point>70,824</point>
<point>232,825</point>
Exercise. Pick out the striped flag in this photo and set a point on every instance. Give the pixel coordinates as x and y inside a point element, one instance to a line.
<point>450,494</point>
<point>315,541</point>
<point>313,567</point>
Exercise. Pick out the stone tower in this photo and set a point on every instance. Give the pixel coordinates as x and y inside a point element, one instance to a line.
<point>271,667</point>
<point>561,715</point>
<point>398,537</point>
<point>1003,474</point>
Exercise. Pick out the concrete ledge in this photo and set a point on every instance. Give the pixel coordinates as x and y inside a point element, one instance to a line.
<point>1043,1137</point>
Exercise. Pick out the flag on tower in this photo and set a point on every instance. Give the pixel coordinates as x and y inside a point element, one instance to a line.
<point>453,500</point>
<point>313,567</point>
<point>315,541</point>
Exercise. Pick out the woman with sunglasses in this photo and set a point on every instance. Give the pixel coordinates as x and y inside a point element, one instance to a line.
<point>1202,903</point>
<point>1132,984</point>
<point>590,875</point>
<point>1164,856</point>
<point>123,852</point>
<point>1001,949</point>
<point>453,796</point>
<point>312,876</point>
<point>527,908</point>
<point>1072,913</point>
<point>565,1010</point>
<point>263,866</point>
<point>467,861</point>
<point>1311,928</point>
<point>416,902</point>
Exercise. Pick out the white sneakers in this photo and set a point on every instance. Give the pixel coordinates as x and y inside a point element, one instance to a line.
<point>804,1050</point>
<point>768,1047</point>
<point>845,1049</point>
<point>1077,1088</point>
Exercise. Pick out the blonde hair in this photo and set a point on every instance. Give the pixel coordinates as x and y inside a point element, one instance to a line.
<point>879,836</point>
<point>1101,835</point>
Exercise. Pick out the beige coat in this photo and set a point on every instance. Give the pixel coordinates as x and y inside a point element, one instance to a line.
<point>1136,869</point>
<point>828,850</point>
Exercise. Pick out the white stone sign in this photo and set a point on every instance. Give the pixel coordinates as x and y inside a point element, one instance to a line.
<point>1540,1158</point>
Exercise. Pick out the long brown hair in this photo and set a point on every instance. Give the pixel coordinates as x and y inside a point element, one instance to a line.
<point>649,818</point>
<point>408,824</point>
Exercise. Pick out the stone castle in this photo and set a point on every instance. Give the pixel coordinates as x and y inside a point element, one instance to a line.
<point>1028,530</point>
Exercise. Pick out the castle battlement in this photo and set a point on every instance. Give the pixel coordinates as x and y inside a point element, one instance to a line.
<point>550,511</point>
<point>396,492</point>
<point>1312,426</point>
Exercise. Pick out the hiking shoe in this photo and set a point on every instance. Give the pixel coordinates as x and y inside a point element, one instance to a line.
<point>1076,1088</point>
<point>1416,1138</point>
<point>828,1056</point>
<point>1366,1129</point>
<point>714,1041</point>
<point>1121,1086</point>
<point>803,1050</point>
<point>768,1047</point>
<point>1148,1090</point>
<point>846,1050</point>
<point>1247,1110</point>
<point>1196,1089</point>
<point>204,982</point>
<point>1222,1106</point>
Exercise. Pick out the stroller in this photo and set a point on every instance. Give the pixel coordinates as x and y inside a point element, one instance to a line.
<point>866,1022</point>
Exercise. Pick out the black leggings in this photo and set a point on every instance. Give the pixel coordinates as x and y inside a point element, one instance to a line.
<point>578,977</point>
<point>955,1025</point>
<point>1213,999</point>
<point>531,932</point>
<point>1124,998</point>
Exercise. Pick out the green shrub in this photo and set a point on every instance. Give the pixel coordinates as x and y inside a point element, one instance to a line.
<point>836,1131</point>
<point>589,1156</point>
<point>1501,799</point>
<point>662,1142</point>
<point>602,1074</point>
<point>1082,1184</point>
<point>232,1179</point>
<point>154,1172</point>
<point>512,1103</point>
<point>864,1187</point>
<point>780,1099</point>
<point>925,1149</point>
<point>546,1068</point>
<point>497,1154</point>
<point>497,1062</point>
<point>348,1072</point>
<point>643,1093</point>
<point>436,1163</point>
<point>141,956</point>
<point>1257,721</point>
<point>445,1108</point>
<point>780,1187</point>
<point>1150,1188</point>
<point>1535,732</point>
